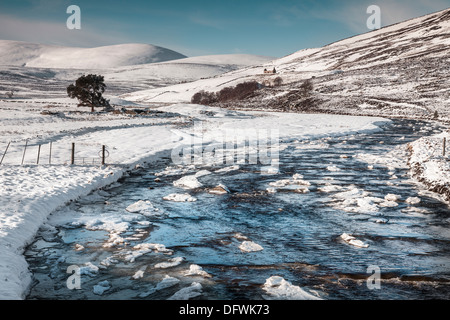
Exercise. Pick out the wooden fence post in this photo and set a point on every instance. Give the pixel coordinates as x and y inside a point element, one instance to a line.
<point>24,150</point>
<point>443,148</point>
<point>103,155</point>
<point>50,156</point>
<point>39,153</point>
<point>73,154</point>
<point>5,152</point>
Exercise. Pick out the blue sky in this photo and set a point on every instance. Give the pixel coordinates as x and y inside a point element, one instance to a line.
<point>201,27</point>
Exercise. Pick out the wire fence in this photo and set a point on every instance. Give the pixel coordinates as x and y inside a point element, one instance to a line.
<point>437,148</point>
<point>26,153</point>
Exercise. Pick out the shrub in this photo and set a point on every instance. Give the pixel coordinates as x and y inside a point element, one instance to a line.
<point>278,81</point>
<point>240,92</point>
<point>306,88</point>
<point>204,97</point>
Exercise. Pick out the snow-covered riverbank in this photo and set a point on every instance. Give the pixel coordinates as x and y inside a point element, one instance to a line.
<point>430,165</point>
<point>30,193</point>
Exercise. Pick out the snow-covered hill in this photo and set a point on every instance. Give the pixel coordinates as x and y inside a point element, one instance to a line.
<point>183,70</point>
<point>402,69</point>
<point>122,72</point>
<point>16,53</point>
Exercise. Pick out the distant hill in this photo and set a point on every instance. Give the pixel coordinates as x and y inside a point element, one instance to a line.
<point>16,53</point>
<point>399,70</point>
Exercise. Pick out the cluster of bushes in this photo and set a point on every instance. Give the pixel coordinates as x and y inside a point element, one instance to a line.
<point>239,92</point>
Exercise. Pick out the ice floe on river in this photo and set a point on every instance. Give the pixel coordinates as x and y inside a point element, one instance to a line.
<point>250,246</point>
<point>347,238</point>
<point>100,288</point>
<point>144,207</point>
<point>277,288</point>
<point>196,270</point>
<point>180,197</point>
<point>194,290</point>
<point>188,182</point>
<point>219,189</point>
<point>296,183</point>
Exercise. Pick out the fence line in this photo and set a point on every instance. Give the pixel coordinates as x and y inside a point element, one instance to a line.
<point>92,155</point>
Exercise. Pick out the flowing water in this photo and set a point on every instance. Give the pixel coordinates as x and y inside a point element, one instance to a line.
<point>335,191</point>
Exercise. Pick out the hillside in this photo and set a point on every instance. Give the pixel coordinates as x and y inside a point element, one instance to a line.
<point>52,81</point>
<point>400,70</point>
<point>16,53</point>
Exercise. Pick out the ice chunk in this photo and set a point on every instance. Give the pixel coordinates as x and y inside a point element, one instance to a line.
<point>250,246</point>
<point>392,197</point>
<point>180,197</point>
<point>295,184</point>
<point>271,190</point>
<point>382,220</point>
<point>194,290</point>
<point>172,171</point>
<point>270,170</point>
<point>202,173</point>
<point>353,241</point>
<point>144,248</point>
<point>138,274</point>
<point>333,168</point>
<point>100,288</point>
<point>144,207</point>
<point>196,270</point>
<point>152,246</point>
<point>188,182</point>
<point>227,169</point>
<point>220,189</point>
<point>168,264</point>
<point>280,183</point>
<point>388,203</point>
<point>354,192</point>
<point>278,288</point>
<point>108,261</point>
<point>413,200</point>
<point>297,176</point>
<point>330,188</point>
<point>167,282</point>
<point>89,269</point>
<point>114,240</point>
<point>239,236</point>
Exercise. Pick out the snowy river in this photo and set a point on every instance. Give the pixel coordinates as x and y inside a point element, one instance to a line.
<point>290,224</point>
